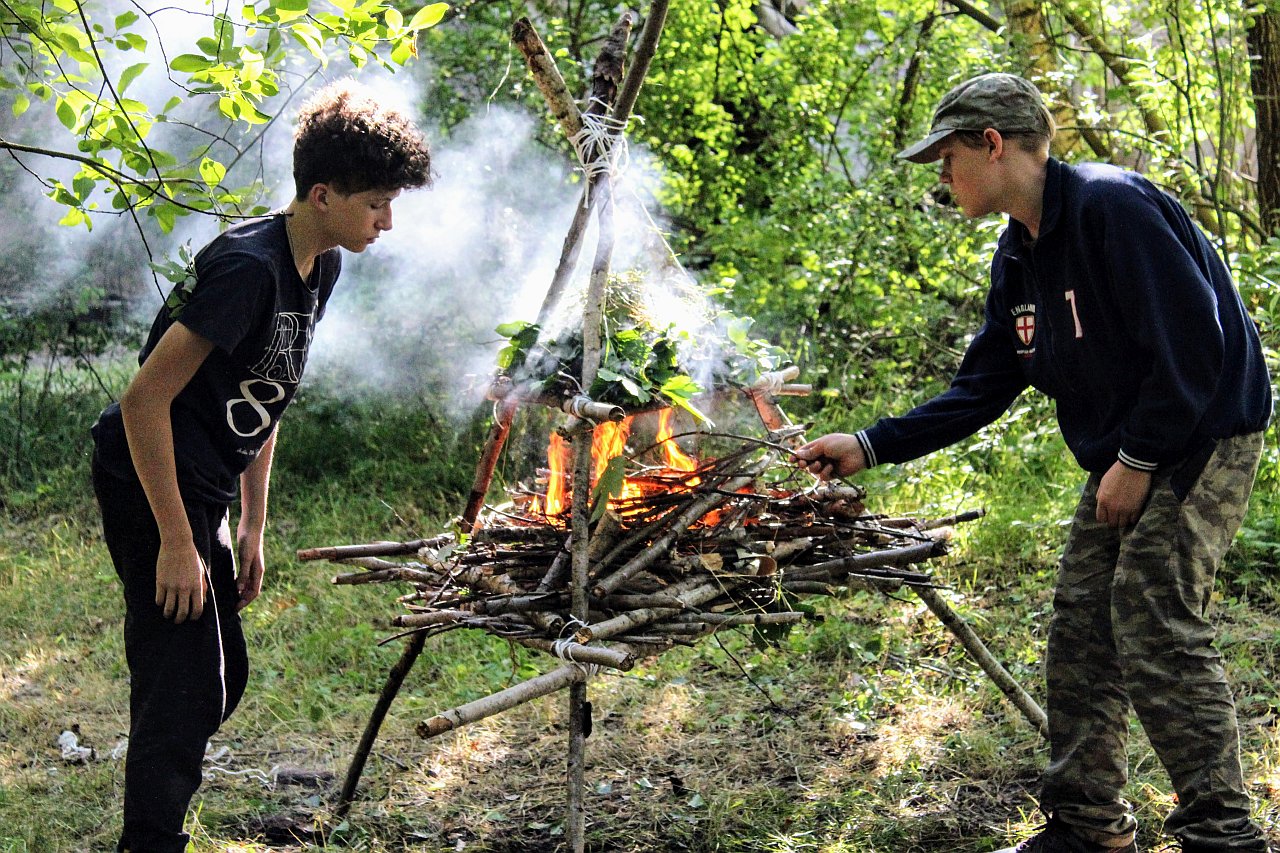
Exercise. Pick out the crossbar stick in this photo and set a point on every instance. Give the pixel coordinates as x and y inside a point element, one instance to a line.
<point>978,650</point>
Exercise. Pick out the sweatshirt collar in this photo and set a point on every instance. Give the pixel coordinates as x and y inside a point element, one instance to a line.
<point>1051,206</point>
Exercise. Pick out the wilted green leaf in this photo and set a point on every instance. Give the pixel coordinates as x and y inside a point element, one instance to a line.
<point>609,484</point>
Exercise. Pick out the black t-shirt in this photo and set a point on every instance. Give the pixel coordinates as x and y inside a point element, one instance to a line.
<point>243,294</point>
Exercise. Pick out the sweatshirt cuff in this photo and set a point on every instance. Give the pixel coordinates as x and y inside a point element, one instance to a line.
<point>867,450</point>
<point>1137,464</point>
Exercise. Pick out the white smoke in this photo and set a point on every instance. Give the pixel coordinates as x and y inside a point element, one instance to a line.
<point>420,307</point>
<point>480,249</point>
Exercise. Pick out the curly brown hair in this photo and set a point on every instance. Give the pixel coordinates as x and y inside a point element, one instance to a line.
<point>347,138</point>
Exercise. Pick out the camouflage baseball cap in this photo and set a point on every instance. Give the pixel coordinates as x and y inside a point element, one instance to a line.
<point>1006,102</point>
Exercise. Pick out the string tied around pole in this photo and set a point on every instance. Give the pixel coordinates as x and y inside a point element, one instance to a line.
<point>600,146</point>
<point>563,647</point>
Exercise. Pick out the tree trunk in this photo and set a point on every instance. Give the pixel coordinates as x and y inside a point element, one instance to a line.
<point>1264,79</point>
<point>1029,35</point>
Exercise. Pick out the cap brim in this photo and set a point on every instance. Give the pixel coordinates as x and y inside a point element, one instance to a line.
<point>925,150</point>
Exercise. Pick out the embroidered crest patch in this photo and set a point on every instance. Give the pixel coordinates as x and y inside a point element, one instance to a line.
<point>1024,323</point>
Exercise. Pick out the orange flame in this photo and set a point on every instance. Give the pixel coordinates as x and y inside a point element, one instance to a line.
<point>608,440</point>
<point>558,455</point>
<point>676,459</point>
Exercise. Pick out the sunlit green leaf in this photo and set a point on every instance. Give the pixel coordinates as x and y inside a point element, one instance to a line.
<point>252,64</point>
<point>212,172</point>
<point>128,76</point>
<point>428,16</point>
<point>190,63</point>
<point>66,114</point>
<point>309,36</point>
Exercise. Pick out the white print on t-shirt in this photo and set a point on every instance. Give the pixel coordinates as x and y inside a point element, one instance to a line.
<point>287,351</point>
<point>254,402</point>
<point>281,364</point>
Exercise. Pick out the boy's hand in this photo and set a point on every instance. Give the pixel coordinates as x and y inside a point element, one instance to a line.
<point>252,568</point>
<point>836,455</point>
<point>180,582</point>
<point>1122,494</point>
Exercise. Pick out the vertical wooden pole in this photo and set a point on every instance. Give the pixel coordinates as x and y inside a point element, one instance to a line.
<point>604,89</point>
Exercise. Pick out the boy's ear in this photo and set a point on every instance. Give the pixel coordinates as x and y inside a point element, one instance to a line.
<point>318,195</point>
<point>995,142</point>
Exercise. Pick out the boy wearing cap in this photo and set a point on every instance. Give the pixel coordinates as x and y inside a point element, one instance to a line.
<point>1106,297</point>
<point>222,362</point>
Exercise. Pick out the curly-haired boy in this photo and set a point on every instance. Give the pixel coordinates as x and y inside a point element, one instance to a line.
<point>198,423</point>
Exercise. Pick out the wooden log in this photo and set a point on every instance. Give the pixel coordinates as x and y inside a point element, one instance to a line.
<point>605,79</point>
<point>395,679</point>
<point>646,49</point>
<point>691,593</point>
<point>399,573</point>
<point>431,617</point>
<point>582,406</point>
<point>949,520</point>
<point>635,602</point>
<point>504,413</point>
<point>809,587</point>
<point>539,534</point>
<point>978,650</point>
<point>834,492</point>
<point>681,523</point>
<point>556,571</point>
<point>607,531</point>
<point>547,76</point>
<point>374,549</point>
<point>503,700</point>
<point>619,659</point>
<point>892,557</point>
<point>740,619</point>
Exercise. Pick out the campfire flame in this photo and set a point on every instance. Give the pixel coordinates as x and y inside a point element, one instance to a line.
<point>676,459</point>
<point>558,457</point>
<point>608,441</point>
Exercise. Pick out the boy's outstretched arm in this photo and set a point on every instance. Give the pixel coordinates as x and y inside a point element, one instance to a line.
<point>145,406</point>
<point>254,483</point>
<point>835,455</point>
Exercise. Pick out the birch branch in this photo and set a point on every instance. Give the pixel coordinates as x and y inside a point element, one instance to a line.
<point>503,700</point>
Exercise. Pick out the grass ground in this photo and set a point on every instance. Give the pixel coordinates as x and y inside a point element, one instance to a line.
<point>868,732</point>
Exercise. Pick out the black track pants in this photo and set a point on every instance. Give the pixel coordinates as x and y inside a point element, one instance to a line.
<point>186,679</point>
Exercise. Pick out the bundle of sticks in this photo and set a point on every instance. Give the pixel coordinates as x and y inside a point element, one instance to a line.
<point>683,555</point>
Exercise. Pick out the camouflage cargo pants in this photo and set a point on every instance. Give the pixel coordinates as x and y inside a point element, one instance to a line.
<point>1129,629</point>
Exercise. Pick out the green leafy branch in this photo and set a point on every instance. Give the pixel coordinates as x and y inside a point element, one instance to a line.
<point>68,61</point>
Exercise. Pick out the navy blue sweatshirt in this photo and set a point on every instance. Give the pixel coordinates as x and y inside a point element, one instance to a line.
<point>1123,313</point>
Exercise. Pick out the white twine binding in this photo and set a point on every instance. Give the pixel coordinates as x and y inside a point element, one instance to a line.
<point>561,648</point>
<point>601,140</point>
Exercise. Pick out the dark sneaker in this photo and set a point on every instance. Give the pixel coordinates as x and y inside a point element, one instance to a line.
<point>1056,838</point>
